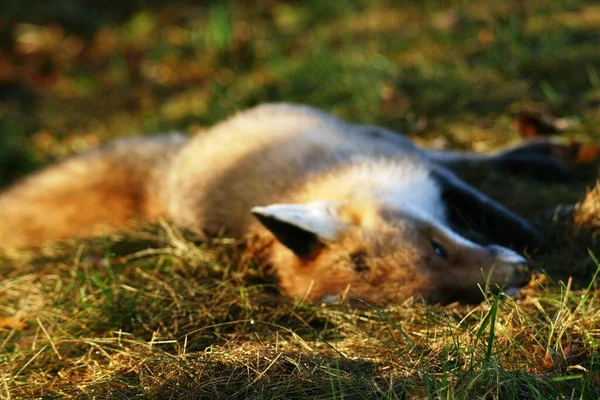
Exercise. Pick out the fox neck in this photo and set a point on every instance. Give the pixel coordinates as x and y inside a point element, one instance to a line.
<point>405,186</point>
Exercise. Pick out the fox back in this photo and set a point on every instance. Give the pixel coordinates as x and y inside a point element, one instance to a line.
<point>263,156</point>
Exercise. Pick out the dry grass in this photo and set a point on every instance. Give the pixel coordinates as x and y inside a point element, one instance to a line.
<point>189,322</point>
<point>155,313</point>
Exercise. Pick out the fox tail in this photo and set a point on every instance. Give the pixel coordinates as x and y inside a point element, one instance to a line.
<point>90,194</point>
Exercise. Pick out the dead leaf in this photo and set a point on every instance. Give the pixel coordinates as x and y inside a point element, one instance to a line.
<point>548,363</point>
<point>534,124</point>
<point>587,153</point>
<point>12,322</point>
<point>576,153</point>
<point>531,124</point>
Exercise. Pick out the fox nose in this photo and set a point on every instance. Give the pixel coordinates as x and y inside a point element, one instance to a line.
<point>521,270</point>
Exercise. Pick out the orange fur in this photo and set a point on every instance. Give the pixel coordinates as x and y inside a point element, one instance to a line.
<point>87,195</point>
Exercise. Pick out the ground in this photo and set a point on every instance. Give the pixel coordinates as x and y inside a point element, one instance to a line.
<point>156,313</point>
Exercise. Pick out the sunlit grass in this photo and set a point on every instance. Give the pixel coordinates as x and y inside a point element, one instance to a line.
<point>153,314</point>
<point>146,324</point>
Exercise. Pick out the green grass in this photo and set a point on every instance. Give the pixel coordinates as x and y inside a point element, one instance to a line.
<point>152,314</point>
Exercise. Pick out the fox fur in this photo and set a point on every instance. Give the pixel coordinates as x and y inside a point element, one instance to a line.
<point>337,209</point>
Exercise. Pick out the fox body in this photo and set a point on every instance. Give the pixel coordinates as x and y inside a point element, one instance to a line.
<point>337,209</point>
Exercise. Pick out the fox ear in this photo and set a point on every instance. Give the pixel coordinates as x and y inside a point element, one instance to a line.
<point>303,228</point>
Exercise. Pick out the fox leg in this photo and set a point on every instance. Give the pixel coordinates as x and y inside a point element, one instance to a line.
<point>470,211</point>
<point>539,159</point>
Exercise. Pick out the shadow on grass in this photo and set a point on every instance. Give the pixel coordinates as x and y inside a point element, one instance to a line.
<point>249,372</point>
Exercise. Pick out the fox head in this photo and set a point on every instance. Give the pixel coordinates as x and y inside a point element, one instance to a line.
<point>364,252</point>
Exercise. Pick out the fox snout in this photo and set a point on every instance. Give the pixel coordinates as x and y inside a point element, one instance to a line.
<point>504,269</point>
<point>520,269</point>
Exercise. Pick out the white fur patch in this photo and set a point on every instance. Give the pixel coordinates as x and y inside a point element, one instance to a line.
<point>403,185</point>
<point>319,217</point>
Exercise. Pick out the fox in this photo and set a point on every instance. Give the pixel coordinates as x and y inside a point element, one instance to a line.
<point>338,210</point>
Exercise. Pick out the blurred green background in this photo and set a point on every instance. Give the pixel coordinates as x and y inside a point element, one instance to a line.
<point>74,74</point>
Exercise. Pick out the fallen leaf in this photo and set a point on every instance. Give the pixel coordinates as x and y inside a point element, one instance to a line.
<point>548,363</point>
<point>587,153</point>
<point>12,322</point>
<point>534,124</point>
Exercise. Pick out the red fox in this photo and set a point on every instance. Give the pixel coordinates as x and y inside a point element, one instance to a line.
<point>337,209</point>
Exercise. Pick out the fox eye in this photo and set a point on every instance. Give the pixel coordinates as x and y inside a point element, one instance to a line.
<point>439,250</point>
<point>359,261</point>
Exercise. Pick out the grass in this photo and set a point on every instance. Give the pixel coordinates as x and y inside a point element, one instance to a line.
<point>158,314</point>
